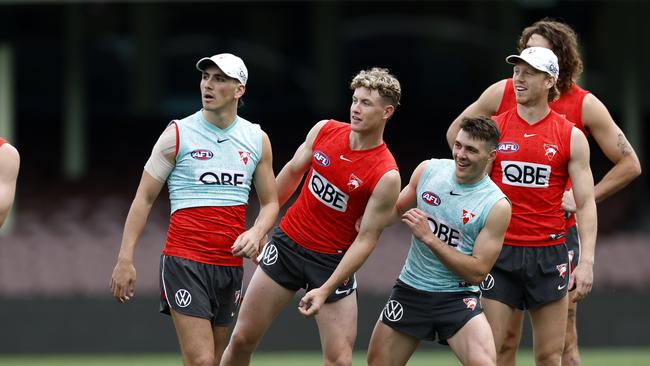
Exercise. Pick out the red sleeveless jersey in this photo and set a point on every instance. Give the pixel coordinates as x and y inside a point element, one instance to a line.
<point>569,106</point>
<point>531,169</point>
<point>336,190</point>
<point>206,234</point>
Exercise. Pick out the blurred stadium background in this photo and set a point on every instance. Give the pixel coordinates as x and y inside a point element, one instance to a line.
<point>87,86</point>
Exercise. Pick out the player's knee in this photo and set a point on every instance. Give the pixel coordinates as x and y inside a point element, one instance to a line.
<point>375,356</point>
<point>549,356</point>
<point>202,359</point>
<point>242,343</point>
<point>341,358</point>
<point>481,359</point>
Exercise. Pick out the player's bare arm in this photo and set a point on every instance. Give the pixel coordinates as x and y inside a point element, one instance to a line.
<point>486,105</point>
<point>293,171</point>
<point>407,197</point>
<point>8,174</point>
<point>614,144</point>
<point>472,268</point>
<point>376,217</point>
<point>248,243</point>
<point>153,178</point>
<point>583,191</point>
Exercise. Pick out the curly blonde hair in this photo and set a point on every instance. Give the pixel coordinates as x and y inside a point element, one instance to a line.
<point>382,81</point>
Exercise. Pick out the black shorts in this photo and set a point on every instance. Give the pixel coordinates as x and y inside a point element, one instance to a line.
<point>294,267</point>
<point>527,277</point>
<point>201,290</point>
<point>429,315</point>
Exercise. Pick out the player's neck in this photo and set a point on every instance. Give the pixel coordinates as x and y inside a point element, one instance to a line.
<point>222,118</point>
<point>367,139</point>
<point>533,113</point>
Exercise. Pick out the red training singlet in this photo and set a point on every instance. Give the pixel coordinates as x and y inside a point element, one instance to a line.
<point>569,106</point>
<point>531,169</point>
<point>336,190</point>
<point>206,234</point>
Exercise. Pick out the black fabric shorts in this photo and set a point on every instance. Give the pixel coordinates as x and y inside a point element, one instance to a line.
<point>294,267</point>
<point>429,315</point>
<point>201,290</point>
<point>527,277</point>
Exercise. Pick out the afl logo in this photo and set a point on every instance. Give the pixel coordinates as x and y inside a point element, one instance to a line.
<point>431,198</point>
<point>487,283</point>
<point>202,154</point>
<point>507,147</point>
<point>321,158</point>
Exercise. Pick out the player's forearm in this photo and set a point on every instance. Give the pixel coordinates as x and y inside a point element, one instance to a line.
<point>266,218</point>
<point>287,182</point>
<point>621,174</point>
<point>468,267</point>
<point>133,228</point>
<point>587,230</point>
<point>353,259</point>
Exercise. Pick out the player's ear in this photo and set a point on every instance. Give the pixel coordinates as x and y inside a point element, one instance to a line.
<point>241,89</point>
<point>389,109</point>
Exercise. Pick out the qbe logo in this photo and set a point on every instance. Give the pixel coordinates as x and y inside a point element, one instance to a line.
<point>328,193</point>
<point>221,177</point>
<point>393,311</point>
<point>524,174</point>
<point>183,298</point>
<point>445,232</point>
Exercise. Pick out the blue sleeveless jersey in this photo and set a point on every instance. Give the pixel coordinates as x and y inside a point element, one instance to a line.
<point>214,167</point>
<point>457,213</point>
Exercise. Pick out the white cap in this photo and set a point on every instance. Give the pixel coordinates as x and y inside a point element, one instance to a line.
<point>230,64</point>
<point>542,59</point>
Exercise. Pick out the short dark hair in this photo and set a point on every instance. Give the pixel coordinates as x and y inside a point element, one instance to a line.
<point>481,128</point>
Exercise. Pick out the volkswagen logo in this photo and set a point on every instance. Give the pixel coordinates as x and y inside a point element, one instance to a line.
<point>487,283</point>
<point>270,255</point>
<point>183,298</point>
<point>393,311</point>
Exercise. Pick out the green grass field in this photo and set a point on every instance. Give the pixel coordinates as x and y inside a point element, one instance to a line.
<point>590,357</point>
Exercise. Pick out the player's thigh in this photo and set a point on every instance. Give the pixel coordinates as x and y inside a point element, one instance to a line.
<point>498,316</point>
<point>390,347</point>
<point>473,344</point>
<point>263,301</point>
<point>195,336</point>
<point>337,324</point>
<point>515,328</point>
<point>549,327</point>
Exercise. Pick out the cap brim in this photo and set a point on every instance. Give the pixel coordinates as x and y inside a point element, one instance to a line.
<point>203,63</point>
<point>512,59</point>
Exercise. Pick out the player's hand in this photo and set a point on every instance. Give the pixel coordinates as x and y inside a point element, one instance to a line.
<point>246,245</point>
<point>584,279</point>
<point>568,201</point>
<point>311,303</point>
<point>418,222</point>
<point>260,249</point>
<point>122,282</point>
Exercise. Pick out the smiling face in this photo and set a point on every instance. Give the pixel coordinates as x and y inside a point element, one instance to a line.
<point>472,157</point>
<point>531,85</point>
<point>218,91</point>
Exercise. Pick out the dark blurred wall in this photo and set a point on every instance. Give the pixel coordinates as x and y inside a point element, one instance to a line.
<point>133,64</point>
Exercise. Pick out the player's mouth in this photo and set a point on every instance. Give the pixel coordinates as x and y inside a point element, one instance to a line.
<point>208,98</point>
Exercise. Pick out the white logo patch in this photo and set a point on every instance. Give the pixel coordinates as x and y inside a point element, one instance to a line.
<point>487,283</point>
<point>183,298</point>
<point>328,193</point>
<point>524,174</point>
<point>393,311</point>
<point>270,254</point>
